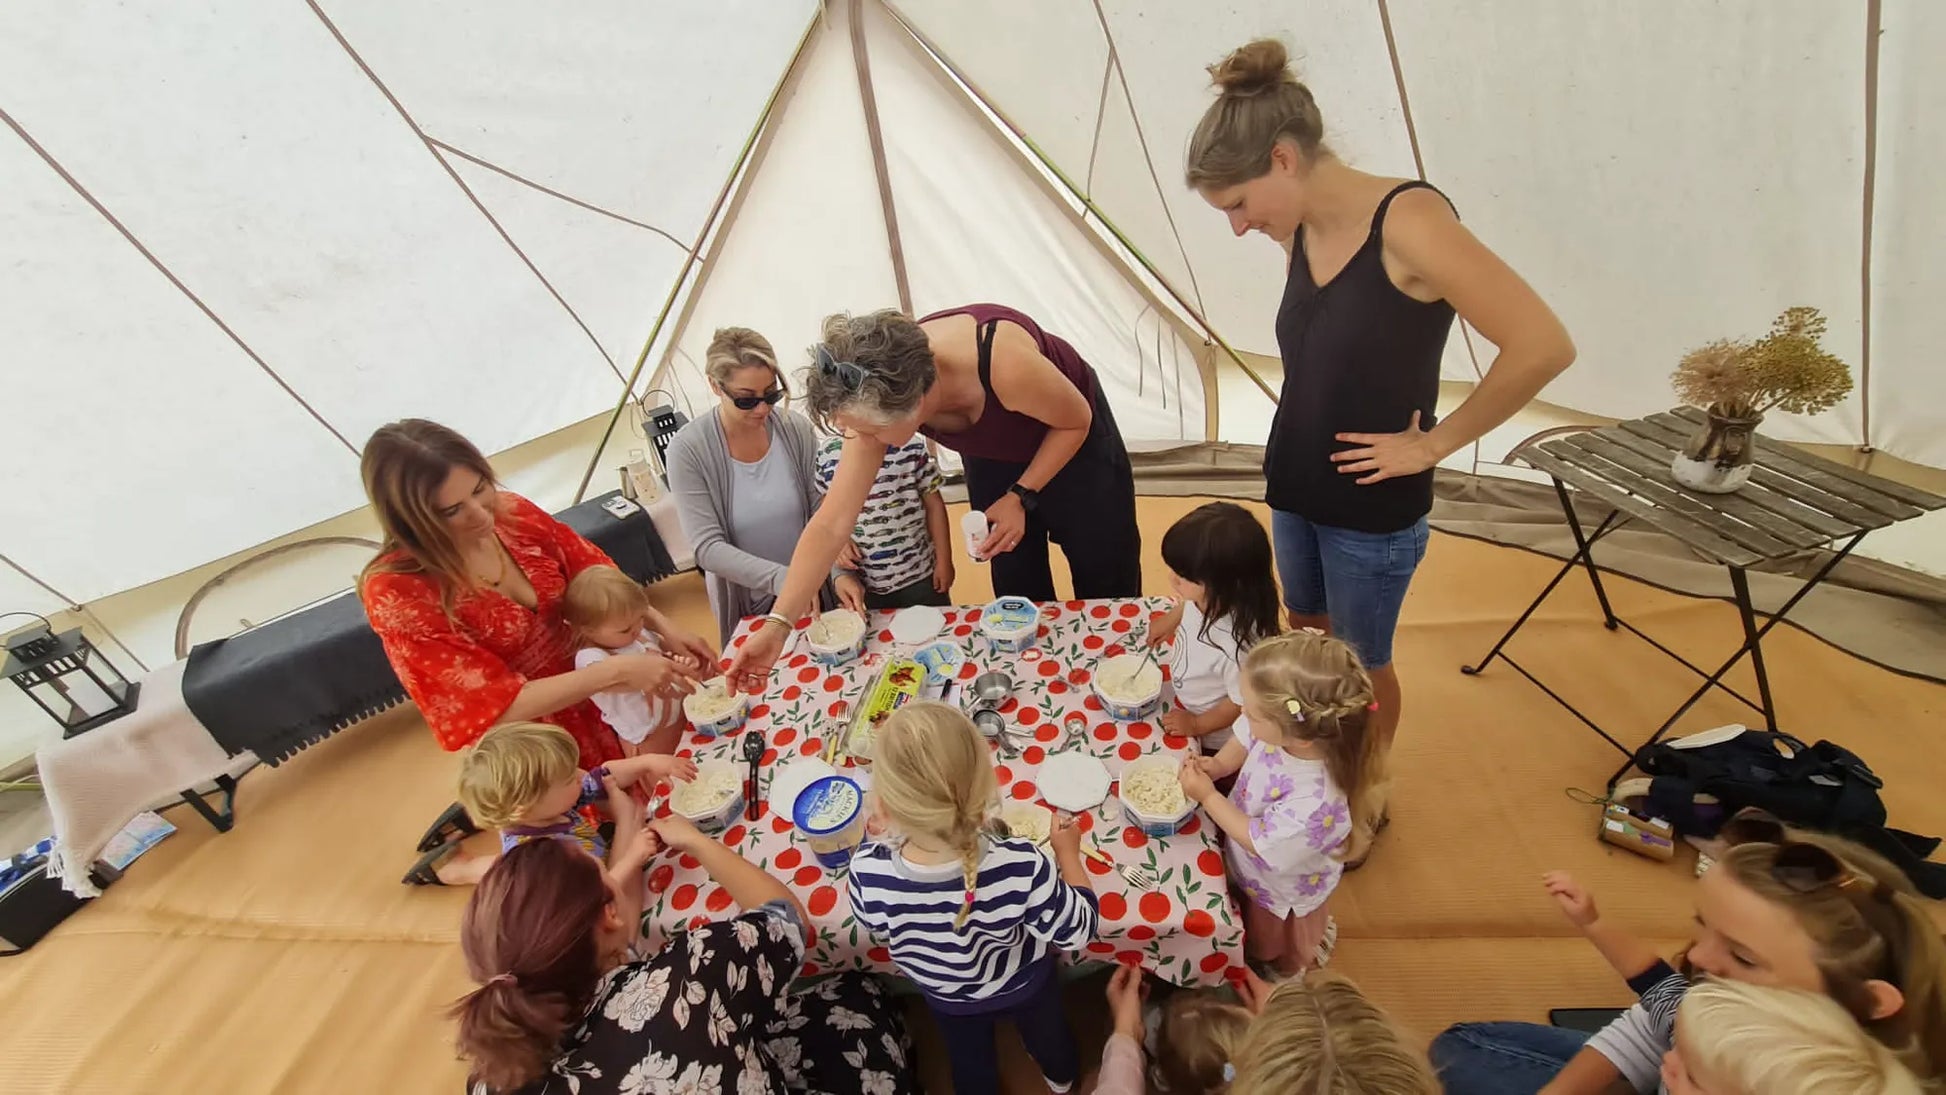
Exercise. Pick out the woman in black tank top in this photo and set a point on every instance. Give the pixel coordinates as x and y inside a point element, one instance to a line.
<point>1378,269</point>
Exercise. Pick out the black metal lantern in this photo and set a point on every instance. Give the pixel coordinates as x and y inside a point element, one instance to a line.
<point>72,681</point>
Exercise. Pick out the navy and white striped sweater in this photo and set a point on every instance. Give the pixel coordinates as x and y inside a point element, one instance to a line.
<point>1022,912</point>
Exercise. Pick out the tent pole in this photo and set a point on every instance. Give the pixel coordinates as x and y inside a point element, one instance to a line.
<point>751,145</point>
<point>1047,162</point>
<point>1873,28</point>
<point>861,60</point>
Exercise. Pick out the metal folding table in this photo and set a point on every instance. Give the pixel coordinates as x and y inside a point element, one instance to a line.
<point>1795,503</point>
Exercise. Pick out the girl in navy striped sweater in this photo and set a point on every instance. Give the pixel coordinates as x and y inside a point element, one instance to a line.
<point>972,917</point>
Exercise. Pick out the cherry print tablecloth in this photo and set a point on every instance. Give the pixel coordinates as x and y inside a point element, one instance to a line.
<point>1186,930</point>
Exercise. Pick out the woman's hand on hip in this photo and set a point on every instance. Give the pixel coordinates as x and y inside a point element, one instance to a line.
<point>749,670</point>
<point>1387,455</point>
<point>654,674</point>
<point>1006,526</point>
<point>851,593</point>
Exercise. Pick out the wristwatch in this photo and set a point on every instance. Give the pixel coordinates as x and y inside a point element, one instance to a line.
<point>1030,500</point>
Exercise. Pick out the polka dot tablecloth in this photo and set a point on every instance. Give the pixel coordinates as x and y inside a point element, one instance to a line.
<point>1186,930</point>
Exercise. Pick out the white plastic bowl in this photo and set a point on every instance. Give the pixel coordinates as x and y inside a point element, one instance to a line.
<point>714,818</point>
<point>727,723</point>
<point>1010,624</point>
<point>1126,708</point>
<point>838,653</point>
<point>1154,824</point>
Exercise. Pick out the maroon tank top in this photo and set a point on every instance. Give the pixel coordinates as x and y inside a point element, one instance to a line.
<point>1003,434</point>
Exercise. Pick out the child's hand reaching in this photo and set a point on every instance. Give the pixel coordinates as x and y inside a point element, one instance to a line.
<point>634,851</point>
<point>1179,722</point>
<point>1162,628</point>
<point>1196,782</point>
<point>1575,901</point>
<point>680,769</point>
<point>1127,989</point>
<point>1065,836</point>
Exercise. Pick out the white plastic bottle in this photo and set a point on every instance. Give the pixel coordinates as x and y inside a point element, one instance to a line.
<point>973,525</point>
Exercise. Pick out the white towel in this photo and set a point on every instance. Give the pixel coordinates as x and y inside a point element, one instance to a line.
<point>96,782</point>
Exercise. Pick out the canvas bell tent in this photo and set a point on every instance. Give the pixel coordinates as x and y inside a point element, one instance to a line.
<point>237,235</point>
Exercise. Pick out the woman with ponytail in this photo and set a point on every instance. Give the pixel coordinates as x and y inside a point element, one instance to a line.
<point>934,793</point>
<point>565,1005</point>
<point>1378,267</point>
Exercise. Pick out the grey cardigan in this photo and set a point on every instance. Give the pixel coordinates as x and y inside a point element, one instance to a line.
<point>701,479</point>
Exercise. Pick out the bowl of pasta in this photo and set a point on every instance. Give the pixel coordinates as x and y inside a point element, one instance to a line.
<point>1152,796</point>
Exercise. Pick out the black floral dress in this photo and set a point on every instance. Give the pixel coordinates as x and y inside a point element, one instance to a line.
<point>715,1013</point>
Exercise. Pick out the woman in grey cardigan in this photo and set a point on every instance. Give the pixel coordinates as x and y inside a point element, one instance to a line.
<point>744,480</point>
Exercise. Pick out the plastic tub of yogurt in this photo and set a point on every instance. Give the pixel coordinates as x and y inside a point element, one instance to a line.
<point>836,637</point>
<point>1152,795</point>
<point>830,815</point>
<point>712,798</point>
<point>1129,687</point>
<point>1010,624</point>
<point>713,709</point>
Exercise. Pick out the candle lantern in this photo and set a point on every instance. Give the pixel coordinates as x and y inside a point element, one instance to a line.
<point>67,677</point>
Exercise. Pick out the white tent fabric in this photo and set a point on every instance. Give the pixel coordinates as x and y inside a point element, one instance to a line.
<point>237,236</point>
<point>973,227</point>
<point>1908,225</point>
<point>246,148</point>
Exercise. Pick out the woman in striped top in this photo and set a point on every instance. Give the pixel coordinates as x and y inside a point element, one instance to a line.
<point>973,918</point>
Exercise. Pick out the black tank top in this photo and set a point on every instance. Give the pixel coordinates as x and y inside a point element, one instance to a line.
<point>1359,357</point>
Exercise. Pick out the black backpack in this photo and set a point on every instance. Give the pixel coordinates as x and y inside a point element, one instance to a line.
<point>1824,787</point>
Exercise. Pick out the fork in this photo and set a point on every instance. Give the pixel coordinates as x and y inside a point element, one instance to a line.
<point>1135,877</point>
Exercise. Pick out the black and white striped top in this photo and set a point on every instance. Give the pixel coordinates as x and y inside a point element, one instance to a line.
<point>1022,911</point>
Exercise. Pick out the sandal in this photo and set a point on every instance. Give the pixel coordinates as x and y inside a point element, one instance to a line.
<point>426,871</point>
<point>452,826</point>
<point>1321,955</point>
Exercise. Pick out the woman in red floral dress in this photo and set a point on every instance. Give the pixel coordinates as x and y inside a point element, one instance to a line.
<point>466,596</point>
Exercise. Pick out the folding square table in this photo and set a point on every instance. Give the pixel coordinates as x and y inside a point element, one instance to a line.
<point>1795,503</point>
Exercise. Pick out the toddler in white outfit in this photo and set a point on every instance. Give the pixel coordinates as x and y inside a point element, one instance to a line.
<point>608,611</point>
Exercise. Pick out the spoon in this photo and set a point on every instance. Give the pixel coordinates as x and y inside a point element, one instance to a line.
<point>753,752</point>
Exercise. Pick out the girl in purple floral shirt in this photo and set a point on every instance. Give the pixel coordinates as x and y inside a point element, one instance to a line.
<point>1305,797</point>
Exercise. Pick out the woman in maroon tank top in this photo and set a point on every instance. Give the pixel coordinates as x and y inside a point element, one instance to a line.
<point>1378,267</point>
<point>1044,459</point>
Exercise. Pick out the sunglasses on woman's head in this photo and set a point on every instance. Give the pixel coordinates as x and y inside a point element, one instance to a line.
<point>749,402</point>
<point>849,374</point>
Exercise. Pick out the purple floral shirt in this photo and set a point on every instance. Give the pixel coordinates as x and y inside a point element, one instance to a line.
<point>1298,817</point>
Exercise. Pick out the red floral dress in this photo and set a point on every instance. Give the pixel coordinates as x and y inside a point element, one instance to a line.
<point>464,670</point>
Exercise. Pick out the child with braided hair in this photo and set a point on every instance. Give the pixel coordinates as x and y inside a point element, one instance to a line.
<point>1306,796</point>
<point>992,956</point>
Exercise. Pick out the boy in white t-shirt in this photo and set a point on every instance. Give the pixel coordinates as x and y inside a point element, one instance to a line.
<point>1220,568</point>
<point>608,611</point>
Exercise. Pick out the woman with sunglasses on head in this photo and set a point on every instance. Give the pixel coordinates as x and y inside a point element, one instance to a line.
<point>745,481</point>
<point>1043,457</point>
<point>1781,909</point>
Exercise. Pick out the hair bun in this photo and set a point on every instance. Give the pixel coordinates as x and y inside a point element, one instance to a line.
<point>1254,68</point>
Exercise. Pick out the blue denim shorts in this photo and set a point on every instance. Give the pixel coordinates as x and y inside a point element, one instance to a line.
<point>1358,579</point>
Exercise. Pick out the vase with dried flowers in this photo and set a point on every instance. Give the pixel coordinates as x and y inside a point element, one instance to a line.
<point>1735,382</point>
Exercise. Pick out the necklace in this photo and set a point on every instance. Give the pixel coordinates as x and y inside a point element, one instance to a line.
<point>501,554</point>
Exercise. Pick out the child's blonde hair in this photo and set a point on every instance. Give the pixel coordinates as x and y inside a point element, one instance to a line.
<point>511,767</point>
<point>1201,1033</point>
<point>1313,688</point>
<point>1771,1041</point>
<point>933,775</point>
<point>1318,1034</point>
<point>599,594</point>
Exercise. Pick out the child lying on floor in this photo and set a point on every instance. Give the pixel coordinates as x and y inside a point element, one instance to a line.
<point>523,779</point>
